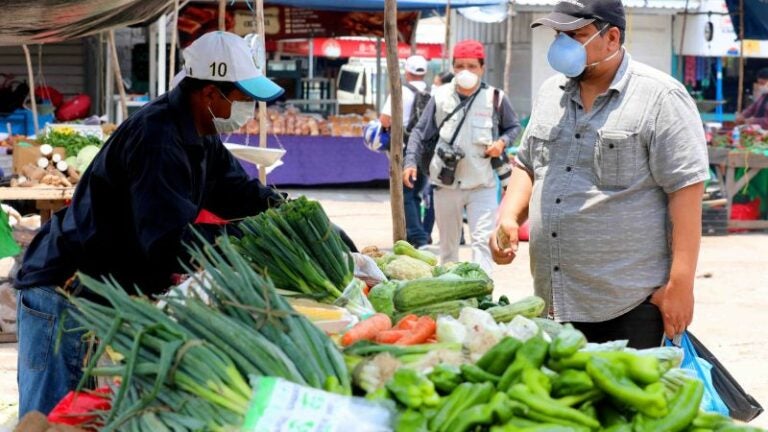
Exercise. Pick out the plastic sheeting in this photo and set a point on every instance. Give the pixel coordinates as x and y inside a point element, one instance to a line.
<point>378,5</point>
<point>45,21</point>
<point>755,18</point>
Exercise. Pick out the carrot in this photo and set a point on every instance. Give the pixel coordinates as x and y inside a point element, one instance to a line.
<point>407,322</point>
<point>432,339</point>
<point>367,329</point>
<point>366,290</point>
<point>424,329</point>
<point>390,336</point>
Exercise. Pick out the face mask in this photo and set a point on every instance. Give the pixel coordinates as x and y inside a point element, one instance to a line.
<point>569,57</point>
<point>761,90</point>
<point>466,79</point>
<point>239,115</point>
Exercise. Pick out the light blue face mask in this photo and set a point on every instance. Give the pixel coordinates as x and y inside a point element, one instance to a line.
<point>569,57</point>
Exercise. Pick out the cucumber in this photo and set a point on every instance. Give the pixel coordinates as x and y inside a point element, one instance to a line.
<point>452,308</point>
<point>528,307</point>
<point>426,291</point>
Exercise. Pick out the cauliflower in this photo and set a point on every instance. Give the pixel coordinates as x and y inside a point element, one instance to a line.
<point>406,268</point>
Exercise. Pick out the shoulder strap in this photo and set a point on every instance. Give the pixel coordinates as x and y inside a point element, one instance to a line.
<point>411,87</point>
<point>461,123</point>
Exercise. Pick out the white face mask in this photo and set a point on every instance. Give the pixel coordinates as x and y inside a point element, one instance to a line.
<point>239,115</point>
<point>466,79</point>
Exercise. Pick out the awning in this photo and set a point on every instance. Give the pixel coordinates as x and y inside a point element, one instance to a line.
<point>378,5</point>
<point>46,21</point>
<point>755,18</point>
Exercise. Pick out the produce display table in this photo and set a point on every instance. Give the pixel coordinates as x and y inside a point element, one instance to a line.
<point>319,160</point>
<point>725,162</point>
<point>48,199</point>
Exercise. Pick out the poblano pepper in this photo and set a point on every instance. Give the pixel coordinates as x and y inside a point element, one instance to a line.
<point>536,381</point>
<point>498,358</point>
<point>572,382</point>
<point>473,373</point>
<point>643,369</point>
<point>549,408</point>
<point>478,394</point>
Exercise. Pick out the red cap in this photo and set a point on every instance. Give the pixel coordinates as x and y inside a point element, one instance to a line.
<point>470,49</point>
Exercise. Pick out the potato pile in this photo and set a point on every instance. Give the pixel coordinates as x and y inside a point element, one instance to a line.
<point>51,170</point>
<point>290,121</point>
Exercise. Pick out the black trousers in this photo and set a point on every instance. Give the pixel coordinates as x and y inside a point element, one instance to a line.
<point>643,326</point>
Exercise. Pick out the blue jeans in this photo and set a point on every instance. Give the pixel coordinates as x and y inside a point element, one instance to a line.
<point>429,210</point>
<point>414,227</point>
<point>46,375</point>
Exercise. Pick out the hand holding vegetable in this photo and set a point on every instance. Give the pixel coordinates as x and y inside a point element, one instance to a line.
<point>503,242</point>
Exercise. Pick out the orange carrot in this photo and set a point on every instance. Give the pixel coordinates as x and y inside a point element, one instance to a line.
<point>407,322</point>
<point>424,329</point>
<point>390,336</point>
<point>432,339</point>
<point>367,329</point>
<point>366,290</point>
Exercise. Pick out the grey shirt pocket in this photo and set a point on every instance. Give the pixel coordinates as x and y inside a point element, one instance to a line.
<point>616,158</point>
<point>542,139</point>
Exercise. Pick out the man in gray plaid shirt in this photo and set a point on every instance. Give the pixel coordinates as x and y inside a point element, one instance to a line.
<point>610,176</point>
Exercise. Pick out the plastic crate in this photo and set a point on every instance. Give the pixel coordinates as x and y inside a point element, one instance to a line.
<point>21,122</point>
<point>714,221</point>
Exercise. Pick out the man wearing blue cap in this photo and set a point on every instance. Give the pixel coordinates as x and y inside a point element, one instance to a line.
<point>132,209</point>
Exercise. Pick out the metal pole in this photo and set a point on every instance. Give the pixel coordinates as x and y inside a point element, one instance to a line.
<point>311,72</point>
<point>262,105</point>
<point>508,58</point>
<point>31,79</point>
<point>447,45</point>
<point>174,37</point>
<point>379,80</point>
<point>719,90</point>
<point>740,99</point>
<point>152,61</point>
<point>118,75</point>
<point>162,28</point>
<point>396,135</point>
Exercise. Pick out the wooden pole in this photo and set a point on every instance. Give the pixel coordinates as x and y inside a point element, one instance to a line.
<point>680,65</point>
<point>414,45</point>
<point>508,59</point>
<point>223,15</point>
<point>31,79</point>
<point>447,45</point>
<point>396,132</point>
<point>740,98</point>
<point>118,75</point>
<point>174,37</point>
<point>262,65</point>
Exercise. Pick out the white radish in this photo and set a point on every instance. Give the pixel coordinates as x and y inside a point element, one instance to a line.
<point>62,166</point>
<point>56,158</point>
<point>42,162</point>
<point>46,149</point>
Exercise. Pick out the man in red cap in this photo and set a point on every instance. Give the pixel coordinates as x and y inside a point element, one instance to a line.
<point>470,124</point>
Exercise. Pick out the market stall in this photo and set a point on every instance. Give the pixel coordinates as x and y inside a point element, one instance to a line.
<point>284,326</point>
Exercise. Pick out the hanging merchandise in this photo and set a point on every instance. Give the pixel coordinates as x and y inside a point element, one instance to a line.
<point>690,71</point>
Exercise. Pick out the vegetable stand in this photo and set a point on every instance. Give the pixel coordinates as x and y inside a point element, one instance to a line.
<point>48,199</point>
<point>726,162</point>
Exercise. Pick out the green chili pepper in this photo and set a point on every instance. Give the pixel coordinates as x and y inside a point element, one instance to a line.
<point>413,389</point>
<point>531,354</point>
<point>473,373</point>
<point>612,379</point>
<point>536,381</point>
<point>572,382</point>
<point>710,420</point>
<point>412,421</point>
<point>478,395</point>
<point>445,378</point>
<point>683,409</point>
<point>573,400</point>
<point>643,369</point>
<point>567,342</point>
<point>550,408</point>
<point>498,358</point>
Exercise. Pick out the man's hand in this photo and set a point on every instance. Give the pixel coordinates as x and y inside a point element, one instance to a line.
<point>409,176</point>
<point>495,149</point>
<point>675,301</point>
<point>503,242</point>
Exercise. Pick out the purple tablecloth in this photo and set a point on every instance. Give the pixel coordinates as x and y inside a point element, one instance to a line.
<point>319,160</point>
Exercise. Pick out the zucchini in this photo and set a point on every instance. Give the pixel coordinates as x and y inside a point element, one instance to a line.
<point>402,247</point>
<point>452,308</point>
<point>425,291</point>
<point>528,307</point>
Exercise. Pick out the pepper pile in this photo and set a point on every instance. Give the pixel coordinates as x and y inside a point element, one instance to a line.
<point>538,385</point>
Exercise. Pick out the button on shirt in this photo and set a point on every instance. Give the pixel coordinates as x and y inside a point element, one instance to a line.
<point>133,207</point>
<point>600,232</point>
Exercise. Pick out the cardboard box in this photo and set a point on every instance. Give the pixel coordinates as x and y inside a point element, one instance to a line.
<point>23,155</point>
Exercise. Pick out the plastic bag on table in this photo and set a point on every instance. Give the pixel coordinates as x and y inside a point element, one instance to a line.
<point>742,406</point>
<point>711,402</point>
<point>278,405</point>
<point>367,270</point>
<point>353,298</point>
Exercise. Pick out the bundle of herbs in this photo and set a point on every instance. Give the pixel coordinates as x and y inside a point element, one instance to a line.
<point>298,247</point>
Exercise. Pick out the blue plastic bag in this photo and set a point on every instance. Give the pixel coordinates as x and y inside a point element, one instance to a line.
<point>702,369</point>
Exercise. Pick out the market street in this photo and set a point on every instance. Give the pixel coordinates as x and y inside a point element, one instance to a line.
<point>730,292</point>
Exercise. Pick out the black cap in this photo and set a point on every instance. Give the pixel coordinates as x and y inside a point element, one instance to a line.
<point>570,15</point>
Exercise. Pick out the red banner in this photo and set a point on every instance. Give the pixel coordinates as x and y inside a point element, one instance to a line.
<point>344,48</point>
<point>282,22</point>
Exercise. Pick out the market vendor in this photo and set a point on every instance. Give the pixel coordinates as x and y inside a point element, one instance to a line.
<point>609,175</point>
<point>131,213</point>
<point>757,113</point>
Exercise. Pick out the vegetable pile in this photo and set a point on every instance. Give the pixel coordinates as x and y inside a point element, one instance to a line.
<point>297,246</point>
<point>553,383</point>
<point>187,367</point>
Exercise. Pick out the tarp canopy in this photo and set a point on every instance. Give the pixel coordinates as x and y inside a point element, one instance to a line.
<point>755,18</point>
<point>46,21</point>
<point>378,5</point>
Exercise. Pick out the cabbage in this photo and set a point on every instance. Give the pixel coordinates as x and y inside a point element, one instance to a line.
<point>85,156</point>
